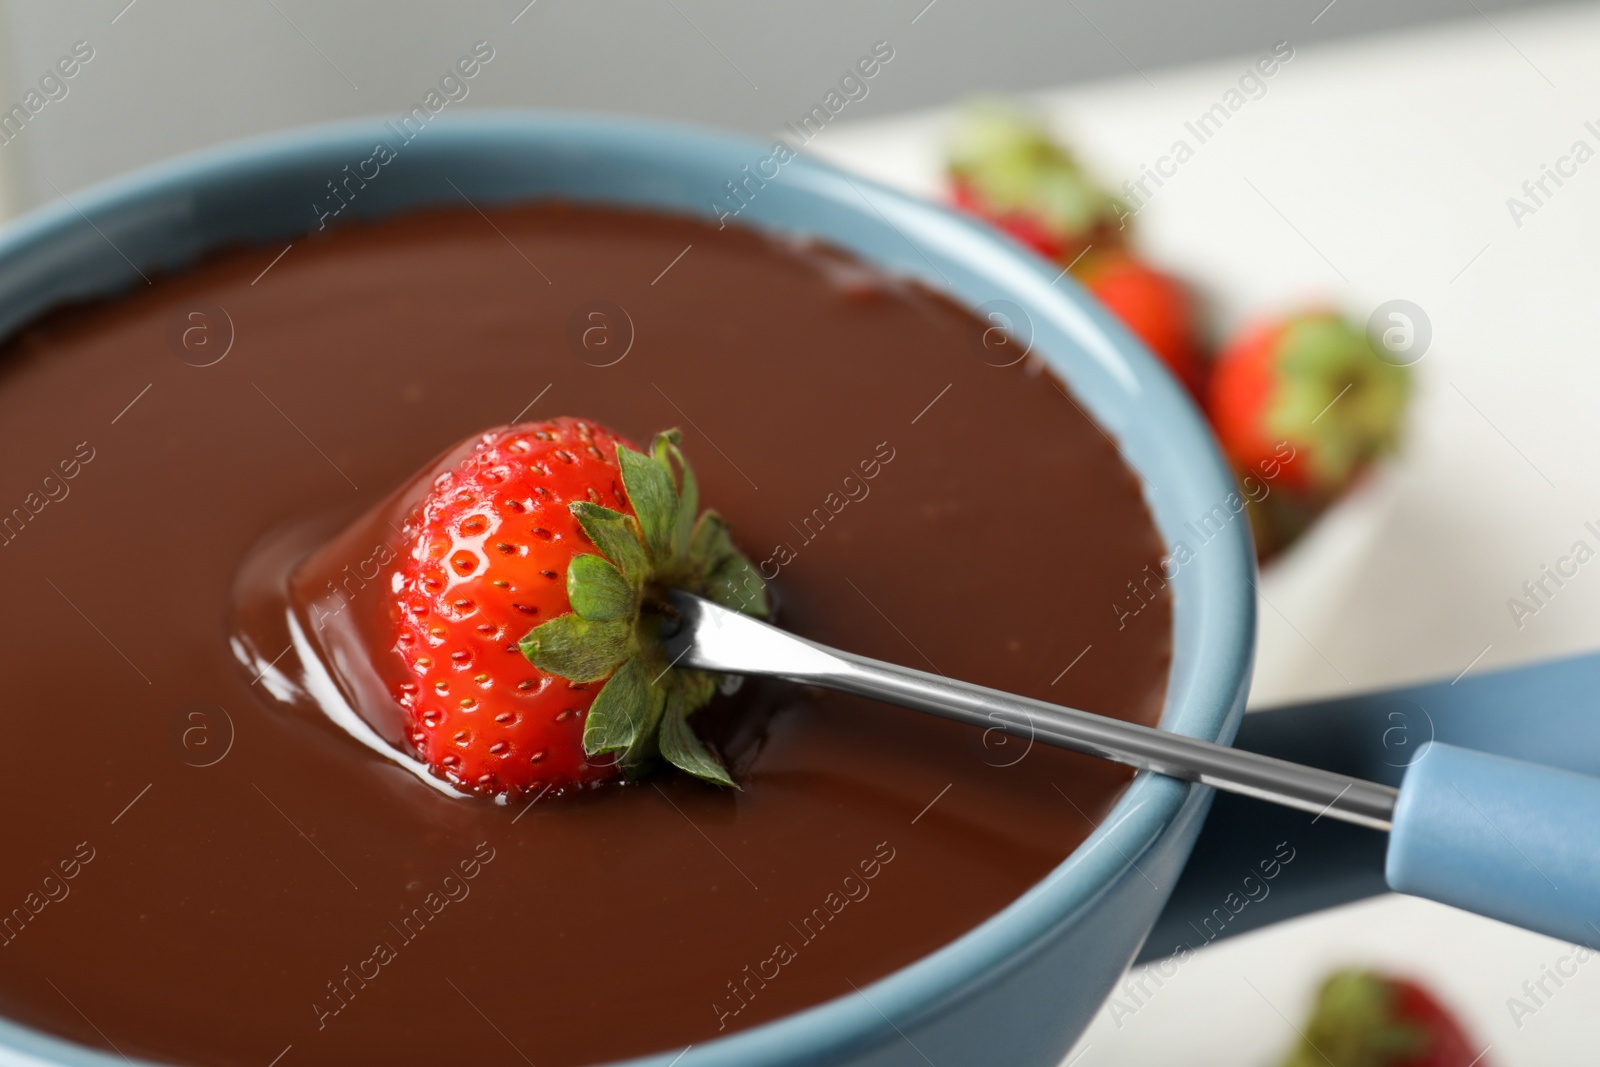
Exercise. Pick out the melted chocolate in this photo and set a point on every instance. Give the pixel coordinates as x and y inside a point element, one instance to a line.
<point>200,871</point>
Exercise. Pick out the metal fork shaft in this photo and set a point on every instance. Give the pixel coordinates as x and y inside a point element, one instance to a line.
<point>715,638</point>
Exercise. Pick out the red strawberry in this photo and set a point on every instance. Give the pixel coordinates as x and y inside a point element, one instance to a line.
<point>527,601</point>
<point>1005,167</point>
<point>1155,306</point>
<point>1312,381</point>
<point>1447,1044</point>
<point>1366,1019</point>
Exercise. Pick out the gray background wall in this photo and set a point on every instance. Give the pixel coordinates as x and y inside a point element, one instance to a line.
<point>170,75</point>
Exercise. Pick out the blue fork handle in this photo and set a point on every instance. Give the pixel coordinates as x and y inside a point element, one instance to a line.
<point>1506,838</point>
<point>1547,714</point>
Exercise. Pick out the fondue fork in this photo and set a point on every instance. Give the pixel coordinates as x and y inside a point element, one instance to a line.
<point>1449,822</point>
<point>714,638</point>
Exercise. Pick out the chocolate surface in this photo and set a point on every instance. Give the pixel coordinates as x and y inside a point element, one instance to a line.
<point>200,871</point>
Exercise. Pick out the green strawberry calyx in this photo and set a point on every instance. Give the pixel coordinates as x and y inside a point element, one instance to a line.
<point>1337,396</point>
<point>1008,156</point>
<point>1356,1023</point>
<point>619,605</point>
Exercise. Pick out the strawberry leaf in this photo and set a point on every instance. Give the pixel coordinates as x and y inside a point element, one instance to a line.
<point>666,452</point>
<point>698,687</point>
<point>619,712</point>
<point>653,497</point>
<point>683,749</point>
<point>642,754</point>
<point>598,591</point>
<point>616,535</point>
<point>727,575</point>
<point>736,584</point>
<point>578,649</point>
<point>710,543</point>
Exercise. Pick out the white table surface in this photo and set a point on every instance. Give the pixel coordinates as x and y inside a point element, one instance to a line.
<point>1373,170</point>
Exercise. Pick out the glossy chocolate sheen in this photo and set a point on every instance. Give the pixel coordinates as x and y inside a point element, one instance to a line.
<point>200,872</point>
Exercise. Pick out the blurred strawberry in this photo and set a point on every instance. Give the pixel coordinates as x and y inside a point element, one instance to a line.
<point>1155,306</point>
<point>1313,380</point>
<point>1005,167</point>
<point>1305,402</point>
<point>1366,1019</point>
